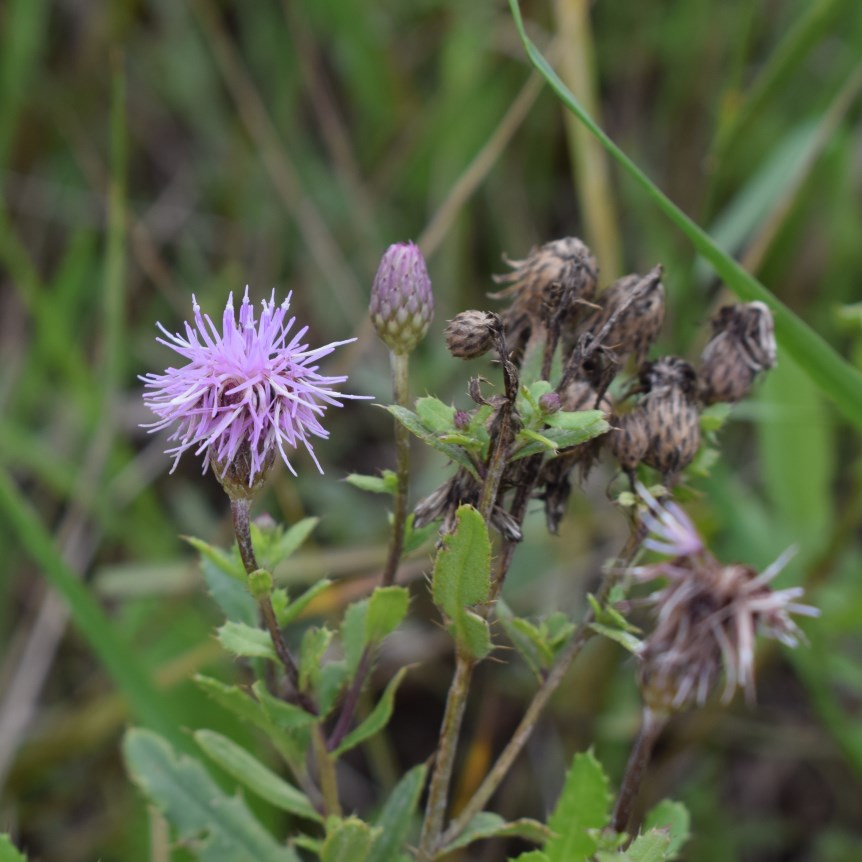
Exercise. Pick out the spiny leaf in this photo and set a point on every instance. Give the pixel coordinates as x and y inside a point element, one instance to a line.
<point>244,640</point>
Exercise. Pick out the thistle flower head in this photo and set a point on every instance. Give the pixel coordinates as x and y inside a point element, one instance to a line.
<point>707,615</point>
<point>244,394</point>
<point>402,305</point>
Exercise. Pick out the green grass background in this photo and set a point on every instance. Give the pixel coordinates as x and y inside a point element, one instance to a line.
<point>154,148</point>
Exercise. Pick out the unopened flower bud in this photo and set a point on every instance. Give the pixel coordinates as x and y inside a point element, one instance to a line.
<point>550,402</point>
<point>471,333</point>
<point>741,347</point>
<point>260,583</point>
<point>402,305</point>
<point>462,420</point>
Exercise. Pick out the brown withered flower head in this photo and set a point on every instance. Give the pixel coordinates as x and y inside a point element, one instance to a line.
<point>742,346</point>
<point>629,439</point>
<point>638,303</point>
<point>707,615</point>
<point>670,411</point>
<point>471,334</point>
<point>559,277</point>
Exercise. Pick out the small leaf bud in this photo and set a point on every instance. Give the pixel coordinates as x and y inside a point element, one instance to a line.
<point>260,583</point>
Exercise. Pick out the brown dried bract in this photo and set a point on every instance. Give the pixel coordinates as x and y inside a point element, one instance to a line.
<point>741,347</point>
<point>472,333</point>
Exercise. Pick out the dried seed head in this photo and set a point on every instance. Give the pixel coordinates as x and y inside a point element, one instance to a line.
<point>742,346</point>
<point>707,616</point>
<point>671,415</point>
<point>472,333</point>
<point>402,304</point>
<point>553,280</point>
<point>634,305</point>
<point>581,395</point>
<point>629,440</point>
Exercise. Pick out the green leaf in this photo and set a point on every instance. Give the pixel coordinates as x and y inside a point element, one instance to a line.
<point>590,423</point>
<point>532,443</point>
<point>837,378</point>
<point>558,438</point>
<point>244,640</point>
<point>377,719</point>
<point>346,840</point>
<point>273,545</point>
<point>673,817</point>
<point>472,634</point>
<point>251,773</point>
<point>528,641</point>
<point>650,847</point>
<point>384,484</point>
<point>414,538</point>
<point>531,856</point>
<point>354,635</point>
<point>413,424</point>
<point>332,678</point>
<point>233,699</point>
<point>486,824</point>
<point>396,817</point>
<point>584,805</point>
<point>435,415</point>
<point>221,827</point>
<point>296,607</point>
<point>230,564</point>
<point>387,607</point>
<point>625,639</point>
<point>8,851</point>
<point>462,572</point>
<point>229,593</point>
<point>315,642</point>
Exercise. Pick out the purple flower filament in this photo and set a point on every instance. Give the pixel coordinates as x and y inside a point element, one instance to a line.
<point>247,385</point>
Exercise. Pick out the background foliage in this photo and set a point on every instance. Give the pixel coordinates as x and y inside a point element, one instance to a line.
<point>150,149</point>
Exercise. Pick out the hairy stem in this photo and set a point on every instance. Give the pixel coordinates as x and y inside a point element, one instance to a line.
<point>438,793</point>
<point>651,728</point>
<point>552,682</point>
<point>326,772</point>
<point>239,510</point>
<point>400,368</point>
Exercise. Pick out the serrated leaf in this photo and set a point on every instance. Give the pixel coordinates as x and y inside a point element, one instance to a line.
<point>298,605</point>
<point>377,719</point>
<point>396,816</point>
<point>387,607</point>
<point>287,716</point>
<point>625,639</point>
<point>487,824</point>
<point>675,819</point>
<point>244,640</point>
<point>472,634</point>
<point>251,773</point>
<point>387,483</point>
<point>462,568</point>
<point>231,595</point>
<point>333,677</point>
<point>558,438</point>
<point>346,840</point>
<point>435,415</point>
<point>649,847</point>
<point>413,424</point>
<point>315,642</point>
<point>584,805</point>
<point>221,827</point>
<point>8,851</point>
<point>289,743</point>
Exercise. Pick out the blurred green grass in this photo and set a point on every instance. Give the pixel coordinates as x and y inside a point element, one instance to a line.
<point>286,144</point>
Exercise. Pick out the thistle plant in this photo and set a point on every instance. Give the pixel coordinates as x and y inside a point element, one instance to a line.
<point>565,384</point>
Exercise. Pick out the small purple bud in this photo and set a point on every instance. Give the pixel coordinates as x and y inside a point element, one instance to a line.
<point>462,419</point>
<point>402,305</point>
<point>550,402</point>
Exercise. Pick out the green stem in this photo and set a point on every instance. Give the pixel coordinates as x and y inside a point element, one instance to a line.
<point>400,368</point>
<point>651,728</point>
<point>438,793</point>
<point>239,509</point>
<point>552,682</point>
<point>326,772</point>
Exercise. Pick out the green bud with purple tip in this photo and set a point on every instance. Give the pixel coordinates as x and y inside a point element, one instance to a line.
<point>402,305</point>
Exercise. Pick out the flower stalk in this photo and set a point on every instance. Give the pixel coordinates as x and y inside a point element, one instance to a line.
<point>400,377</point>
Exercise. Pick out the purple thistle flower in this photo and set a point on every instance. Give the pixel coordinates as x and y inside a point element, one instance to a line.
<point>245,392</point>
